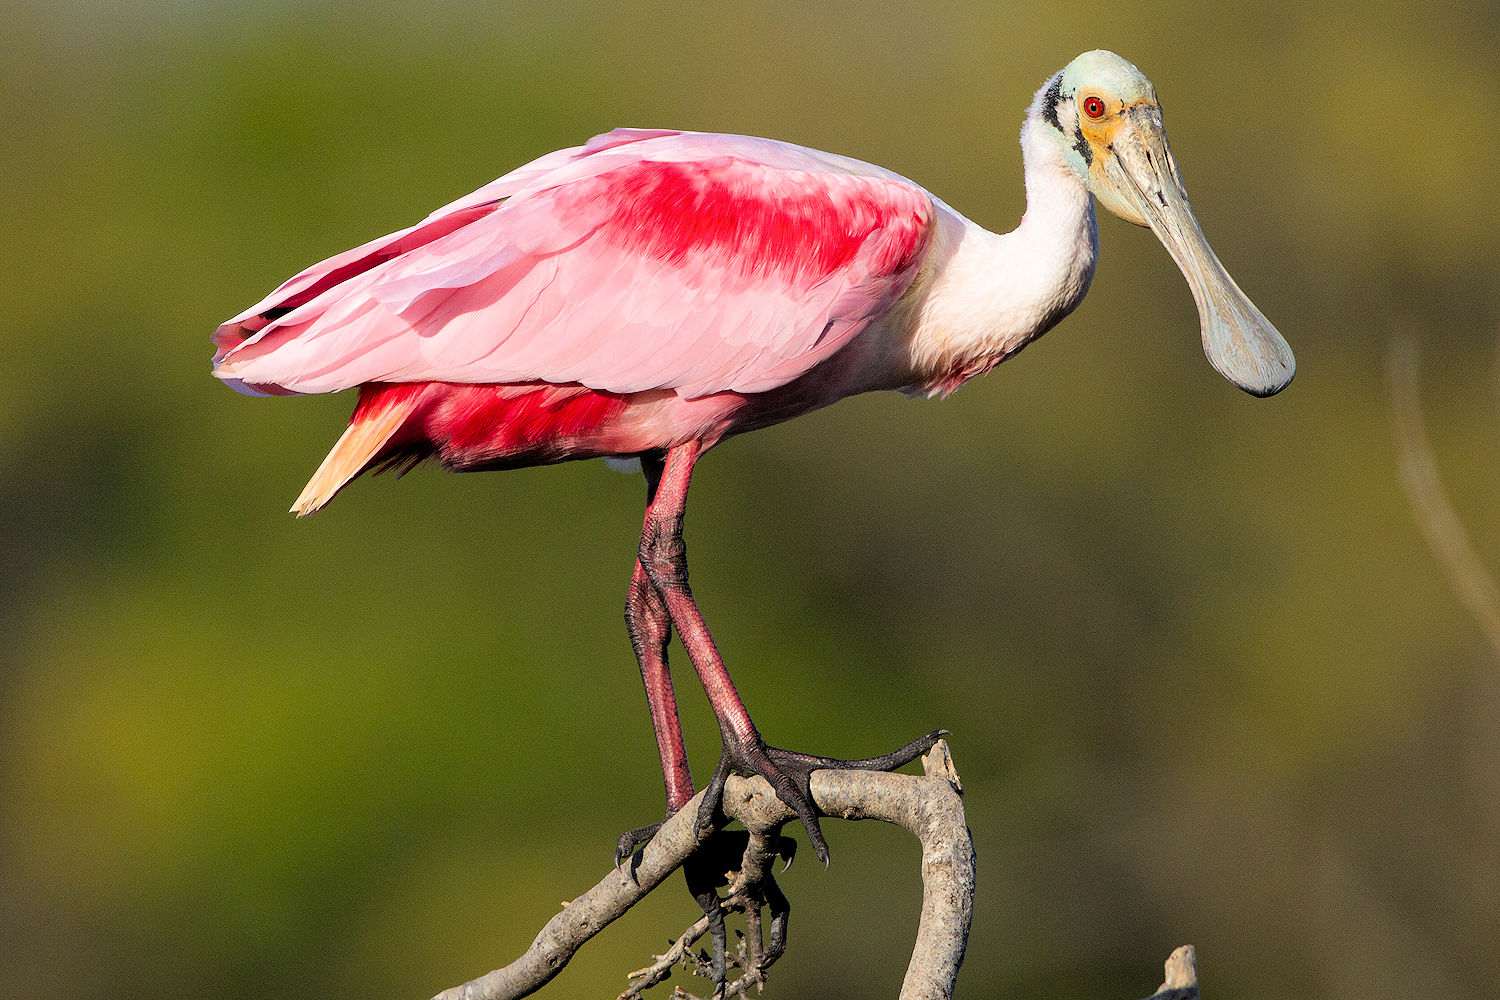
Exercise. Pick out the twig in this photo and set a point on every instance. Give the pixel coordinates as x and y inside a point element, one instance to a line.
<point>751,888</point>
<point>657,972</point>
<point>927,805</point>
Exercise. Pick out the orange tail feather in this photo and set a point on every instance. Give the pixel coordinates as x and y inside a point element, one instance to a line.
<point>361,442</point>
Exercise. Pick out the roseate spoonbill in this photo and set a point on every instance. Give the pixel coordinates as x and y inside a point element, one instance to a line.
<point>652,292</point>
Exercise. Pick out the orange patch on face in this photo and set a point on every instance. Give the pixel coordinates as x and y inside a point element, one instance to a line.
<point>1101,131</point>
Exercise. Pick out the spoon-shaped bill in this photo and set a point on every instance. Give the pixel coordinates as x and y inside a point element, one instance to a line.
<point>1240,342</point>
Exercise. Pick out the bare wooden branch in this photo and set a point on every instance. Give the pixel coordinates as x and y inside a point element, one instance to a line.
<point>927,805</point>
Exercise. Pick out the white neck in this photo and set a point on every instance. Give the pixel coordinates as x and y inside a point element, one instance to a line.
<point>989,295</point>
<point>1059,211</point>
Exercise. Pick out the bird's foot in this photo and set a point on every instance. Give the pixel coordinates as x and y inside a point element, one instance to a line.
<point>632,842</point>
<point>723,852</point>
<point>726,859</point>
<point>743,862</point>
<point>790,775</point>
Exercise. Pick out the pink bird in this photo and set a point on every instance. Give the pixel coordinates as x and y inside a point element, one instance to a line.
<point>651,293</point>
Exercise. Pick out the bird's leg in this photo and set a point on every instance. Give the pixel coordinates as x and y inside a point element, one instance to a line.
<point>705,872</point>
<point>726,859</point>
<point>663,555</point>
<point>650,629</point>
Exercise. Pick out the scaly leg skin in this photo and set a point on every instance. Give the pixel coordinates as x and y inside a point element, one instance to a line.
<point>663,556</point>
<point>650,629</point>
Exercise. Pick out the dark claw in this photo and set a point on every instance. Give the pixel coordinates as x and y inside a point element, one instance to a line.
<point>631,843</point>
<point>790,774</point>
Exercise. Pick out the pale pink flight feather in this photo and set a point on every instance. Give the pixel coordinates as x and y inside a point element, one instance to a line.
<point>645,259</point>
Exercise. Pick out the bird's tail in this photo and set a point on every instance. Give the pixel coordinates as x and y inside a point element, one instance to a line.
<point>376,420</point>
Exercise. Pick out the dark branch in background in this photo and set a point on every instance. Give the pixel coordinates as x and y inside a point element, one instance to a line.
<point>929,806</point>
<point>1434,512</point>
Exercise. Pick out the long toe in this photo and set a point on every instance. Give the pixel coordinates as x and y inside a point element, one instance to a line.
<point>792,781</point>
<point>790,773</point>
<point>885,762</point>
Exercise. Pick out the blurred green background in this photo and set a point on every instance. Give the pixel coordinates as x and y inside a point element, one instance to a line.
<point>1207,681</point>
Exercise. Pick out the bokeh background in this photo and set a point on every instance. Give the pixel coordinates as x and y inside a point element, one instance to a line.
<point>1208,681</point>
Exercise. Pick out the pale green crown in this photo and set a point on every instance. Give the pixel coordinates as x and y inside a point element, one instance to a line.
<point>1107,73</point>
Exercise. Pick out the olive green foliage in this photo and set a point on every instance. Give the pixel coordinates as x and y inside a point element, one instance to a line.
<point>1207,682</point>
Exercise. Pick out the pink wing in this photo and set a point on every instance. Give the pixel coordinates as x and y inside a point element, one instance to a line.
<point>643,260</point>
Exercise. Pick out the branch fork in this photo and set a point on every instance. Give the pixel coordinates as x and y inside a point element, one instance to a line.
<point>929,806</point>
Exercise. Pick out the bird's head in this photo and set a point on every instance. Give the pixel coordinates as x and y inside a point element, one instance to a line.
<point>1104,115</point>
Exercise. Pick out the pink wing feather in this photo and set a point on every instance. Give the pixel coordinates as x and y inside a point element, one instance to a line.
<point>643,260</point>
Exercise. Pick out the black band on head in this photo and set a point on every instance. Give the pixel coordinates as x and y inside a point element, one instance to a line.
<point>1050,101</point>
<point>1081,144</point>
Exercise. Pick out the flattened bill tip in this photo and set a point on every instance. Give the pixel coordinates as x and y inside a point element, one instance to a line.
<point>1266,389</point>
<point>1264,385</point>
<point>1249,352</point>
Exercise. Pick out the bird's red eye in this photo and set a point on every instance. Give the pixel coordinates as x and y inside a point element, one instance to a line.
<point>1093,107</point>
